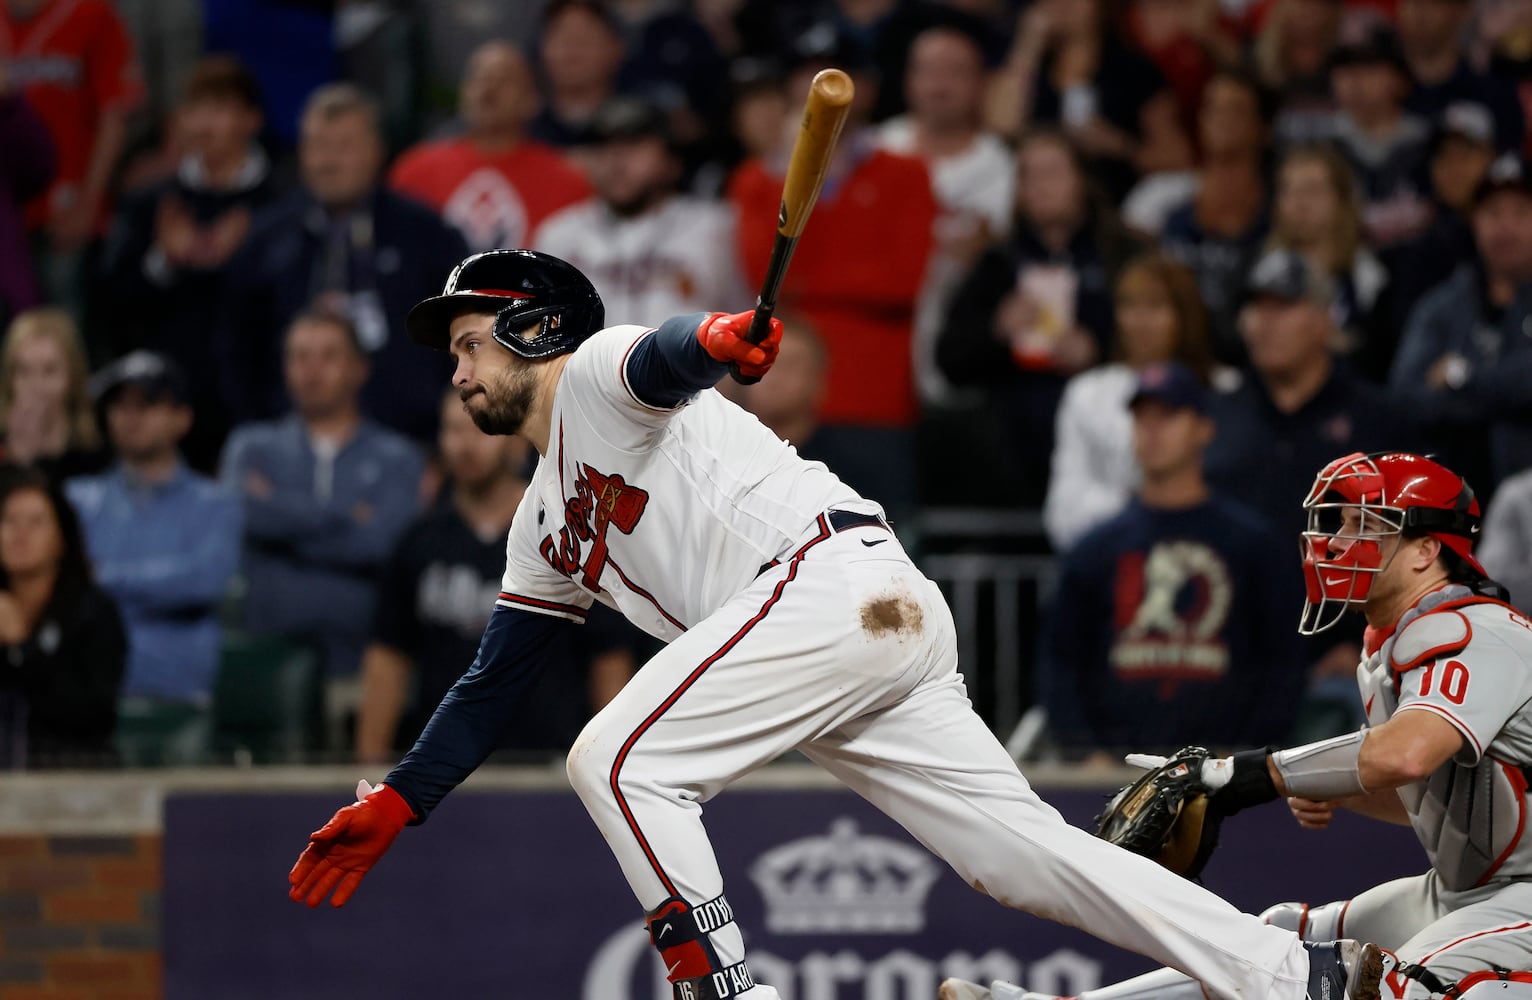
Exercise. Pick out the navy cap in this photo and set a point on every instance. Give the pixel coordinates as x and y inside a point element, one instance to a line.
<point>158,376</point>
<point>1378,45</point>
<point>1468,120</point>
<point>1173,384</point>
<point>1508,173</point>
<point>630,118</point>
<point>827,43</point>
<point>1287,275</point>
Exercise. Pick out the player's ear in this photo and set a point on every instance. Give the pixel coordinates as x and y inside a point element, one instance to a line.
<point>1423,551</point>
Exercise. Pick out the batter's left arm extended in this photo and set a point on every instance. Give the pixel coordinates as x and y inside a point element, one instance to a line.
<point>517,647</point>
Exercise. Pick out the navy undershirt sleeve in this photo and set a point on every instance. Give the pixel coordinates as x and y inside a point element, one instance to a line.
<point>670,366</point>
<point>516,648</point>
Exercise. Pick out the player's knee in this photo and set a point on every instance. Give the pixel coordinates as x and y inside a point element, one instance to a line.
<point>589,764</point>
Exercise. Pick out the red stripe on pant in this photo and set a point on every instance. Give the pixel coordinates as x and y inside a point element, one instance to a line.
<point>622,755</point>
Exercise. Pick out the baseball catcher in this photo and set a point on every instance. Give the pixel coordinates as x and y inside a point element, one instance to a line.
<point>1446,681</point>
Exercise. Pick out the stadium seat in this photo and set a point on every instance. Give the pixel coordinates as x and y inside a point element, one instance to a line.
<point>268,699</point>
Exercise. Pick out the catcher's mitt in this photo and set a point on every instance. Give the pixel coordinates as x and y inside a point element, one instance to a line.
<point>1165,815</point>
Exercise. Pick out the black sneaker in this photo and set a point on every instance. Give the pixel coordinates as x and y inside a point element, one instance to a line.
<point>1344,970</point>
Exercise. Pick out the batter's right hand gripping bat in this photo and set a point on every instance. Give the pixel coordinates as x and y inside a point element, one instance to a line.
<point>824,114</point>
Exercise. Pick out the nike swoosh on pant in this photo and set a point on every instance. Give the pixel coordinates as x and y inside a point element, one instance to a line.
<point>871,544</point>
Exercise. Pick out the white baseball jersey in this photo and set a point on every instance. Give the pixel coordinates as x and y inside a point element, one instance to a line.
<point>661,515</point>
<point>1468,660</point>
<point>674,259</point>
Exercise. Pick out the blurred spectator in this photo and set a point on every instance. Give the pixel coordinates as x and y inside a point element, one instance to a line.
<point>1462,149</point>
<point>1160,317</point>
<point>327,494</point>
<point>436,595</point>
<point>862,301</point>
<point>672,58</point>
<point>1385,145</point>
<point>791,400</point>
<point>1069,66</point>
<point>1319,215</point>
<point>45,404</point>
<point>759,111</point>
<point>60,635</point>
<point>651,253</point>
<point>1296,403</point>
<point>973,174</point>
<point>1173,604</point>
<point>1037,308</point>
<point>1214,218</point>
<point>1292,58</point>
<point>73,61</point>
<point>1434,37</point>
<point>165,259</point>
<point>25,171</point>
<point>1186,42</point>
<point>884,30</point>
<point>1504,42</point>
<point>580,52</point>
<point>1507,541</point>
<point>1465,360</point>
<point>289,46</point>
<point>492,183</point>
<point>356,246</point>
<point>165,544</point>
<point>453,32</point>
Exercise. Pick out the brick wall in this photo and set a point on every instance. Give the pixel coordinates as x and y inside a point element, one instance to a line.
<point>79,918</point>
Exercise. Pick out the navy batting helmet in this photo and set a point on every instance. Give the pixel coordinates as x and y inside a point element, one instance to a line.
<point>519,287</point>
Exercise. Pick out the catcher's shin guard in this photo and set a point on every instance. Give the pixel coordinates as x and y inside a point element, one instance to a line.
<point>680,932</point>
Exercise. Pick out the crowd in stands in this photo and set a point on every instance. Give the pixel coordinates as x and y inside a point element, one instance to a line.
<point>1141,266</point>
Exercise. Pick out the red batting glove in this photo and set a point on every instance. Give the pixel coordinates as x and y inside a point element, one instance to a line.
<point>722,335</point>
<point>346,848</point>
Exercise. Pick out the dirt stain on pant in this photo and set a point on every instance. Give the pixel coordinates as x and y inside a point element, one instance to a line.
<point>894,614</point>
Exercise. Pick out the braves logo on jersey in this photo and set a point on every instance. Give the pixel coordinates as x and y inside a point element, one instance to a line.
<point>600,502</point>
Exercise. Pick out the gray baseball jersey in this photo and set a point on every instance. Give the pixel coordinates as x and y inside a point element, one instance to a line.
<point>1468,660</point>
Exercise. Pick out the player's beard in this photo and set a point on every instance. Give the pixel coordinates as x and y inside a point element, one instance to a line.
<point>507,400</point>
<point>643,201</point>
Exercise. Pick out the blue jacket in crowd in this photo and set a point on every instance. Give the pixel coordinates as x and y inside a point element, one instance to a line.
<point>1171,628</point>
<point>1496,399</point>
<point>166,553</point>
<point>317,531</point>
<point>1267,459</point>
<point>397,252</point>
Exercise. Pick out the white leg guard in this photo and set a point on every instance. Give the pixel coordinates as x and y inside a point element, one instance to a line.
<point>1498,989</point>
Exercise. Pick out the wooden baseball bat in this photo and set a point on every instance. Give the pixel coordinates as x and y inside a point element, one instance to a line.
<point>824,114</point>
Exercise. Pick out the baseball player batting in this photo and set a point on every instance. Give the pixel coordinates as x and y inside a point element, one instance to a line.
<point>1446,680</point>
<point>794,619</point>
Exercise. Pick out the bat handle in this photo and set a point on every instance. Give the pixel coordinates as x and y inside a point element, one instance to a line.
<point>760,326</point>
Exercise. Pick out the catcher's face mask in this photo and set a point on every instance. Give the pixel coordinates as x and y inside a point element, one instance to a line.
<point>1348,526</point>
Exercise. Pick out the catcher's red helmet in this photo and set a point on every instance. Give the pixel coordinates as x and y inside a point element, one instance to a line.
<point>1394,493</point>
